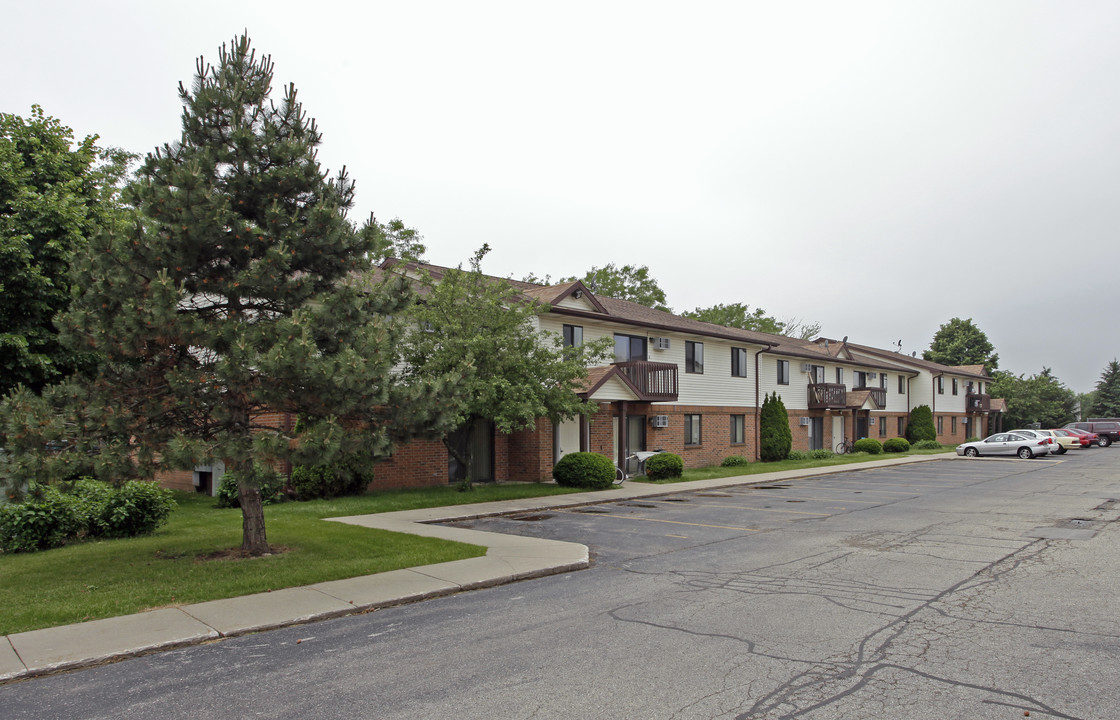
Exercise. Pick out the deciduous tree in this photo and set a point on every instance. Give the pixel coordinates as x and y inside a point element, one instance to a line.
<point>960,342</point>
<point>482,331</point>
<point>55,193</point>
<point>740,315</point>
<point>629,282</point>
<point>1040,398</point>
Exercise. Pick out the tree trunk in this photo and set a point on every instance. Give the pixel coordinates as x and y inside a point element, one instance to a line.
<point>253,538</point>
<point>463,455</point>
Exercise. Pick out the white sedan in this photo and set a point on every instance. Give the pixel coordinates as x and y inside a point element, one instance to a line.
<point>1008,443</point>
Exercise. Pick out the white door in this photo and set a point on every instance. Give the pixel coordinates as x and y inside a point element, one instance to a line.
<point>837,429</point>
<point>566,438</point>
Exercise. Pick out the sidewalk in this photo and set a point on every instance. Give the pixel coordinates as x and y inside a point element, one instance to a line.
<point>508,558</point>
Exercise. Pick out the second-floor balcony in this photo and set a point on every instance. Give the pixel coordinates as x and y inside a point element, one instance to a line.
<point>824,396</point>
<point>878,394</point>
<point>655,381</point>
<point>977,402</point>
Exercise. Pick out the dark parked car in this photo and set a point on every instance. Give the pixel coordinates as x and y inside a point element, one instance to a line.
<point>1108,431</point>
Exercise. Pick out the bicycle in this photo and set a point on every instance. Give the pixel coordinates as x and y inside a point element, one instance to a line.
<point>620,475</point>
<point>844,446</point>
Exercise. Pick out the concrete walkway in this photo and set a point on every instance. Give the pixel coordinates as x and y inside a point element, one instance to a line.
<point>508,558</point>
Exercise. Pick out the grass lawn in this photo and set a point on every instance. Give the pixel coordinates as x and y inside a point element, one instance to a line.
<point>117,577</point>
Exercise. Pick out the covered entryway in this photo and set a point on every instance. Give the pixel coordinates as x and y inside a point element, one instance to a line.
<point>477,436</point>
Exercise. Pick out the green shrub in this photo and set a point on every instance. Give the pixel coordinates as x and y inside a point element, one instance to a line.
<point>921,425</point>
<point>309,482</point>
<point>820,454</point>
<point>53,516</point>
<point>271,485</point>
<point>775,438</point>
<point>973,439</point>
<point>135,508</point>
<point>871,446</point>
<point>896,445</point>
<point>927,445</point>
<point>797,455</point>
<point>46,519</point>
<point>735,461</point>
<point>584,470</point>
<point>663,466</point>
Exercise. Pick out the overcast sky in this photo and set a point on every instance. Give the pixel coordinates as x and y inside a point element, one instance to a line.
<point>877,167</point>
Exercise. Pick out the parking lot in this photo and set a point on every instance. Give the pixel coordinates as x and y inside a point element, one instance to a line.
<point>949,589</point>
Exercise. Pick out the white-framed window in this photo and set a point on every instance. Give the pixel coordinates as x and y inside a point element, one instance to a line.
<point>692,434</point>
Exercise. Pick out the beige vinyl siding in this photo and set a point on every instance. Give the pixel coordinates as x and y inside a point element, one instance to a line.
<point>795,396</point>
<point>715,387</point>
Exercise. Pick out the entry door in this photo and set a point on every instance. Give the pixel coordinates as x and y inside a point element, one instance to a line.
<point>566,439</point>
<point>861,427</point>
<point>636,441</point>
<point>816,433</point>
<point>837,430</point>
<point>479,434</point>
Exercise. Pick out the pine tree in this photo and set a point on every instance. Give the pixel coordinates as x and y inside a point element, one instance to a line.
<point>1106,400</point>
<point>775,437</point>
<point>244,289</point>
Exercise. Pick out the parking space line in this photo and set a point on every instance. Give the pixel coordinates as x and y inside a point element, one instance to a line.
<point>677,522</point>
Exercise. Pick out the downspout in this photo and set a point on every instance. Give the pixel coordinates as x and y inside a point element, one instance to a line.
<point>757,405</point>
<point>623,435</point>
<point>933,412</point>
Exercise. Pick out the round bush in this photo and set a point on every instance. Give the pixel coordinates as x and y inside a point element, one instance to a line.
<point>896,445</point>
<point>797,455</point>
<point>136,508</point>
<point>46,519</point>
<point>871,446</point>
<point>663,466</point>
<point>820,454</point>
<point>926,445</point>
<point>271,484</point>
<point>584,470</point>
<point>735,461</point>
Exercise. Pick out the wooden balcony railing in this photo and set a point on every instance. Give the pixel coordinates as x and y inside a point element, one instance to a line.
<point>826,395</point>
<point>878,394</point>
<point>655,381</point>
<point>977,402</point>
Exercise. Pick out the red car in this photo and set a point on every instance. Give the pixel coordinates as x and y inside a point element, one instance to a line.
<point>1088,439</point>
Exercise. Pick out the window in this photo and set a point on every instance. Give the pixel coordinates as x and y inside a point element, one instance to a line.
<point>953,424</point>
<point>738,362</point>
<point>783,372</point>
<point>956,385</point>
<point>839,376</point>
<point>940,424</point>
<point>901,385</point>
<point>940,385</point>
<point>692,429</point>
<point>628,348</point>
<point>573,335</point>
<point>738,433</point>
<point>901,426</point>
<point>860,378</point>
<point>694,357</point>
<point>816,374</point>
<point>968,388</point>
<point>883,381</point>
<point>882,427</point>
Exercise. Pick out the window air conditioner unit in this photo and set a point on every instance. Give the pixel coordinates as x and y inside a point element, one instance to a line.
<point>804,422</point>
<point>661,343</point>
<point>660,421</point>
<point>871,376</point>
<point>806,367</point>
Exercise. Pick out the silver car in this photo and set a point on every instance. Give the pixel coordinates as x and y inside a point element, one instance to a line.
<point>1008,443</point>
